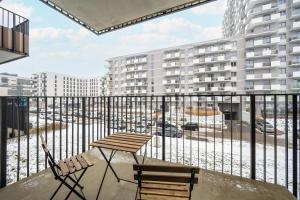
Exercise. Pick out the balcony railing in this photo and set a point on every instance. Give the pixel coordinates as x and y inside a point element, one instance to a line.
<point>252,136</point>
<point>14,31</point>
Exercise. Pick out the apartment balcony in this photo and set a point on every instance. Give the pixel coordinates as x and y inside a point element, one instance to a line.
<point>295,50</point>
<point>172,73</point>
<point>171,65</point>
<point>170,56</point>
<point>296,74</point>
<point>14,36</point>
<point>296,25</point>
<point>171,82</point>
<point>207,79</point>
<point>296,2</point>
<point>136,61</point>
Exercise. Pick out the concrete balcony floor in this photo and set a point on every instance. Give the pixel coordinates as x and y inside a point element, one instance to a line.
<point>211,186</point>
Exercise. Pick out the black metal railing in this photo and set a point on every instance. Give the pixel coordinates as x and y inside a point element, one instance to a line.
<point>14,32</point>
<point>252,136</point>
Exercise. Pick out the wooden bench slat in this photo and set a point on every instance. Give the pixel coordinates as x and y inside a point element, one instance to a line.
<point>87,160</point>
<point>82,161</point>
<point>166,168</point>
<point>76,163</point>
<point>114,147</point>
<point>63,167</point>
<point>70,165</point>
<point>172,193</point>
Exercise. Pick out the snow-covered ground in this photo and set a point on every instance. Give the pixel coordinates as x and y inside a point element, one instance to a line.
<point>207,155</point>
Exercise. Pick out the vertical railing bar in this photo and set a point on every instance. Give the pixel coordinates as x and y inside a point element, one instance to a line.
<point>252,138</point>
<point>222,134</point>
<point>27,131</point>
<point>97,118</point>
<point>93,121</point>
<point>78,108</point>
<point>104,116</point>
<point>170,112</point>
<point>53,127</point>
<point>146,119</point>
<point>151,101</point>
<point>295,163</point>
<point>176,112</point>
<point>126,113</point>
<point>83,137</point>
<point>241,136</point>
<point>60,128</point>
<point>231,137</point>
<point>198,112</point>
<point>205,132</point>
<point>156,118</point>
<point>108,116</point>
<point>73,126</point>
<point>214,107</point>
<point>101,117</point>
<point>191,112</point>
<point>135,114</point>
<point>67,125</point>
<point>163,128</point>
<point>46,126</point>
<point>89,122</point>
<point>265,140</point>
<point>113,113</point>
<point>275,139</point>
<point>37,133</point>
<point>3,142</point>
<point>286,143</point>
<point>19,137</point>
<point>183,107</point>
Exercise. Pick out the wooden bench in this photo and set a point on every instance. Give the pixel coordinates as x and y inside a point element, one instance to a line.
<point>63,169</point>
<point>165,182</point>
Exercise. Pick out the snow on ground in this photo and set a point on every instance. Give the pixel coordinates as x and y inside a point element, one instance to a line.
<point>207,155</point>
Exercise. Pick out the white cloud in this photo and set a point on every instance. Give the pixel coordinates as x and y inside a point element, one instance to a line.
<point>213,8</point>
<point>170,32</point>
<point>18,7</point>
<point>58,33</point>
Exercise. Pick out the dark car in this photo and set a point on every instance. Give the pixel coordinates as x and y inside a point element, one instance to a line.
<point>171,132</point>
<point>190,126</point>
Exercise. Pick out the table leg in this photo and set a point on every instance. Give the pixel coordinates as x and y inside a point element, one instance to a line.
<point>108,164</point>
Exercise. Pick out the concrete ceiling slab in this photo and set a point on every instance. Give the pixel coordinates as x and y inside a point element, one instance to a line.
<point>101,16</point>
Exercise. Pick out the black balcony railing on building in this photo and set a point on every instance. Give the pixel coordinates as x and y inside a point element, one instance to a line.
<point>252,136</point>
<point>14,32</point>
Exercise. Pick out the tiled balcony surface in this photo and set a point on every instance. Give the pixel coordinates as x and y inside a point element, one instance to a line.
<point>212,186</point>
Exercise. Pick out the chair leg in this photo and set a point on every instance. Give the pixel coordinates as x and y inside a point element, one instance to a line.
<point>53,195</point>
<point>71,188</point>
<point>76,184</point>
<point>74,181</point>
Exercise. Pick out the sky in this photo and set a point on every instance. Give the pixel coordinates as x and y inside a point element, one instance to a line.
<point>57,44</point>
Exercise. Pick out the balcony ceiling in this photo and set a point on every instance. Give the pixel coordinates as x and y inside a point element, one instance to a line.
<point>101,16</point>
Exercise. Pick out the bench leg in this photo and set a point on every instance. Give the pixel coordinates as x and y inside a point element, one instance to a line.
<point>53,195</point>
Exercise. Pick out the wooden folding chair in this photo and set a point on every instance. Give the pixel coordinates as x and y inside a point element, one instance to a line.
<point>63,170</point>
<point>165,182</point>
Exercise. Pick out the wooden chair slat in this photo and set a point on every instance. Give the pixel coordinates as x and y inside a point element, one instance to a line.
<point>76,163</point>
<point>165,168</point>
<point>167,178</point>
<point>113,147</point>
<point>87,160</point>
<point>164,186</point>
<point>82,161</point>
<point>70,165</point>
<point>159,197</point>
<point>164,183</point>
<point>172,193</point>
<point>63,167</point>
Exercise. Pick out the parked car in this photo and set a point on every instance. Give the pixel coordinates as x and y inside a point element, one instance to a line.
<point>260,125</point>
<point>190,126</point>
<point>171,132</point>
<point>140,129</point>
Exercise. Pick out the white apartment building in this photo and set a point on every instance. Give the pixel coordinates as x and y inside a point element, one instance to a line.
<point>188,69</point>
<point>14,85</point>
<point>271,30</point>
<point>55,84</point>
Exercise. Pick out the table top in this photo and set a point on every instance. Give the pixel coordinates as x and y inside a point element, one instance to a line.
<point>129,142</point>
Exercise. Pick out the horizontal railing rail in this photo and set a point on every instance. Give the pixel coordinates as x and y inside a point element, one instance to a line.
<point>253,136</point>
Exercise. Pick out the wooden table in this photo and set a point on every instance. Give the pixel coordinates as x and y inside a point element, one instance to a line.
<point>127,142</point>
